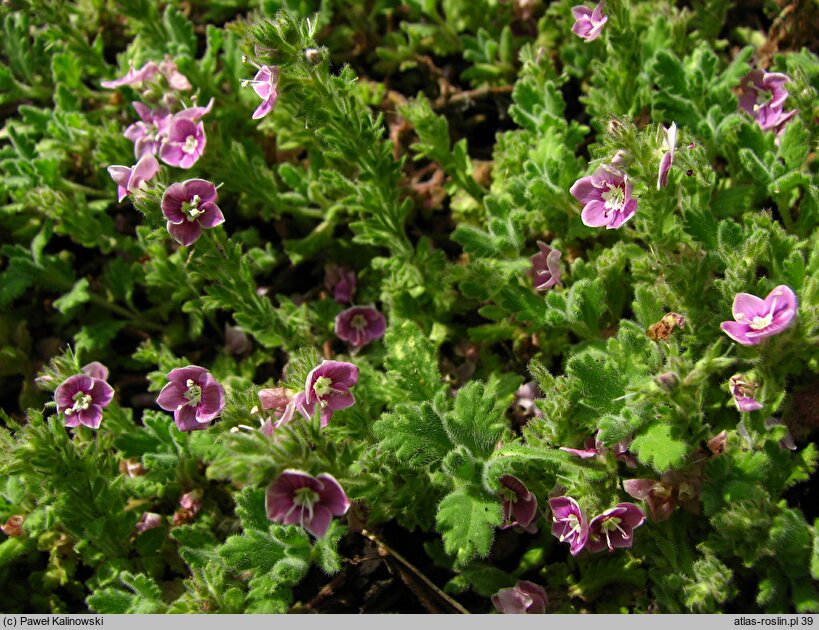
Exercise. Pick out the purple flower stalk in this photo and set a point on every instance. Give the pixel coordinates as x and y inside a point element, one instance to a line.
<point>519,505</point>
<point>81,398</point>
<point>658,496</point>
<point>606,198</point>
<point>524,598</point>
<point>614,528</point>
<point>133,77</point>
<point>296,498</point>
<point>133,180</point>
<point>588,23</point>
<point>545,271</point>
<point>763,96</point>
<point>150,131</point>
<point>328,385</point>
<point>194,396</point>
<point>341,282</point>
<point>265,84</point>
<point>189,207</point>
<point>185,143</point>
<point>743,392</point>
<point>569,524</point>
<point>757,318</point>
<point>359,325</point>
<point>668,156</point>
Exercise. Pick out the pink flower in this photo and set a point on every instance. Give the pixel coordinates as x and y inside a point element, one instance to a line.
<point>614,528</point>
<point>189,207</point>
<point>81,399</point>
<point>192,501</point>
<point>341,282</point>
<point>95,369</point>
<point>359,325</point>
<point>194,396</point>
<point>519,505</point>
<point>569,523</point>
<point>593,447</point>
<point>283,404</point>
<point>524,598</point>
<point>265,84</point>
<point>133,180</point>
<point>185,143</point>
<point>194,113</point>
<point>328,385</point>
<point>524,405</point>
<point>668,157</point>
<point>176,80</point>
<point>148,520</point>
<point>763,96</point>
<point>133,77</point>
<point>757,318</point>
<point>606,198</point>
<point>296,498</point>
<point>743,392</point>
<point>588,23</point>
<point>545,271</point>
<point>658,495</point>
<point>148,133</point>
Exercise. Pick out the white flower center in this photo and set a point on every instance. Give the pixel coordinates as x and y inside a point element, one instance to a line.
<point>194,393</point>
<point>190,145</point>
<point>571,520</point>
<point>191,208</point>
<point>760,323</point>
<point>82,401</point>
<point>614,197</point>
<point>323,386</point>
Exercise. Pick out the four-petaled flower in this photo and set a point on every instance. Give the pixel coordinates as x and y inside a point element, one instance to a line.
<point>190,206</point>
<point>194,396</point>
<point>757,318</point>
<point>519,505</point>
<point>133,180</point>
<point>184,144</point>
<point>524,598</point>
<point>743,392</point>
<point>265,84</point>
<point>150,131</point>
<point>297,498</point>
<point>668,156</point>
<point>82,397</point>
<point>328,385</point>
<point>763,96</point>
<point>545,269</point>
<point>606,198</point>
<point>359,325</point>
<point>569,523</point>
<point>588,23</point>
<point>133,76</point>
<point>614,527</point>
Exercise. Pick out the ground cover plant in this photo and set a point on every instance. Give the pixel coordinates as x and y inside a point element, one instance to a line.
<point>400,306</point>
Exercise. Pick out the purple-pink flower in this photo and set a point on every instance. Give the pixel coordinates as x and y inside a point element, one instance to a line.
<point>194,396</point>
<point>359,325</point>
<point>743,392</point>
<point>150,131</point>
<point>81,398</point>
<point>95,369</point>
<point>519,505</point>
<point>328,385</point>
<point>668,156</point>
<point>757,318</point>
<point>592,447</point>
<point>659,496</point>
<point>132,180</point>
<point>265,84</point>
<point>614,528</point>
<point>606,198</point>
<point>524,406</point>
<point>176,80</point>
<point>283,404</point>
<point>524,598</point>
<point>341,282</point>
<point>545,271</point>
<point>133,76</point>
<point>148,520</point>
<point>569,523</point>
<point>195,113</point>
<point>184,144</point>
<point>189,207</point>
<point>296,498</point>
<point>763,96</point>
<point>588,23</point>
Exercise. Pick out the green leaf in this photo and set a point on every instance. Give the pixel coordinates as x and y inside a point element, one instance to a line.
<point>467,518</point>
<point>659,446</point>
<point>476,421</point>
<point>78,295</point>
<point>411,362</point>
<point>415,434</point>
<point>600,382</point>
